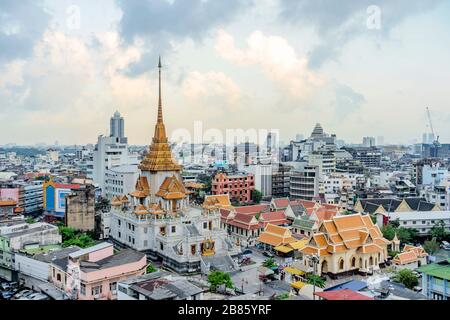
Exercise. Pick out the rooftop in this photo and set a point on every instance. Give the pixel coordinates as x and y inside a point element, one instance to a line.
<point>123,257</point>
<point>439,270</point>
<point>344,294</point>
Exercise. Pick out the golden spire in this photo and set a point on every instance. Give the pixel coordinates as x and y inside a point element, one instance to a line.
<point>160,129</point>
<point>159,156</point>
<point>160,115</point>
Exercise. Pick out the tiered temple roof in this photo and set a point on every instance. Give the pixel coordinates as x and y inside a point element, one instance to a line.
<point>346,232</point>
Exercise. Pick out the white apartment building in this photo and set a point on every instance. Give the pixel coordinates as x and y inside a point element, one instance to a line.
<point>110,152</point>
<point>120,180</point>
<point>422,221</point>
<point>263,177</point>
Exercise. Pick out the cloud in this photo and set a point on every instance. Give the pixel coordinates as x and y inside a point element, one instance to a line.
<point>159,22</point>
<point>276,57</point>
<point>21,24</point>
<point>198,85</point>
<point>67,85</point>
<point>347,101</point>
<point>338,22</point>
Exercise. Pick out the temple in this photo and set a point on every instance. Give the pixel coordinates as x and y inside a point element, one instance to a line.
<point>158,219</point>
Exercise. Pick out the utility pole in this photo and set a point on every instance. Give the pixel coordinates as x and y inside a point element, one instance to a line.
<point>313,262</point>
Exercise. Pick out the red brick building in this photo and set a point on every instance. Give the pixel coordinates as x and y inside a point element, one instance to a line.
<point>239,186</point>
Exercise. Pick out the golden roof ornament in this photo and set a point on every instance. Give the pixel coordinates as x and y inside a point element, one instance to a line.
<point>159,156</point>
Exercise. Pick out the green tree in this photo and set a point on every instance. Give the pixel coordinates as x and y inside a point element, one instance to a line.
<point>67,233</point>
<point>431,246</point>
<point>374,219</point>
<point>404,234</point>
<point>315,279</point>
<point>151,268</point>
<point>283,296</point>
<point>256,196</point>
<point>217,278</point>
<point>269,263</point>
<point>388,231</point>
<point>407,278</point>
<point>438,231</point>
<point>395,223</point>
<point>30,220</point>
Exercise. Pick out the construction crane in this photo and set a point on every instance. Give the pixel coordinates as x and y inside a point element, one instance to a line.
<point>436,143</point>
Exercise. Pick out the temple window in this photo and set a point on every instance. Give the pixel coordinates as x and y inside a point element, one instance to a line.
<point>193,249</point>
<point>341,265</point>
<point>353,262</point>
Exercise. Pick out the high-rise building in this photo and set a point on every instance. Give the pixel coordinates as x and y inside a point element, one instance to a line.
<point>111,152</point>
<point>368,142</point>
<point>117,127</point>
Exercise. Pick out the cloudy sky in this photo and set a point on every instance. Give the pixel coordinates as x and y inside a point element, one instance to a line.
<point>358,67</point>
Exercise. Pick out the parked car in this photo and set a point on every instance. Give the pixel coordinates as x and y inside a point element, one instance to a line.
<point>39,296</point>
<point>23,293</point>
<point>4,286</point>
<point>268,254</point>
<point>247,251</point>
<point>445,245</point>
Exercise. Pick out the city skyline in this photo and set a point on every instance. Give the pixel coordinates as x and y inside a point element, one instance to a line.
<point>281,65</point>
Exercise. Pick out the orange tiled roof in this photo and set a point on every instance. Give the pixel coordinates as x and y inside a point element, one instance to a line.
<point>370,248</point>
<point>171,189</point>
<point>405,258</point>
<point>276,235</point>
<point>218,201</point>
<point>348,232</point>
<point>420,252</point>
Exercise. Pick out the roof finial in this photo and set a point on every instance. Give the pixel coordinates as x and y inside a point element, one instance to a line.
<point>160,116</point>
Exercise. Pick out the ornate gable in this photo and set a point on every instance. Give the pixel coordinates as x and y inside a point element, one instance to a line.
<point>172,189</point>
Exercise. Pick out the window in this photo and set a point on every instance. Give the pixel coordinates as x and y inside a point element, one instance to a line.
<point>193,249</point>
<point>414,222</point>
<point>96,290</point>
<point>58,277</point>
<point>113,287</point>
<point>161,246</point>
<point>174,229</point>
<point>118,222</point>
<point>205,225</point>
<point>119,234</point>
<point>82,289</point>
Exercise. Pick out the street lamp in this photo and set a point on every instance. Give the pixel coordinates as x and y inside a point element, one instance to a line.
<point>242,282</point>
<point>313,261</point>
